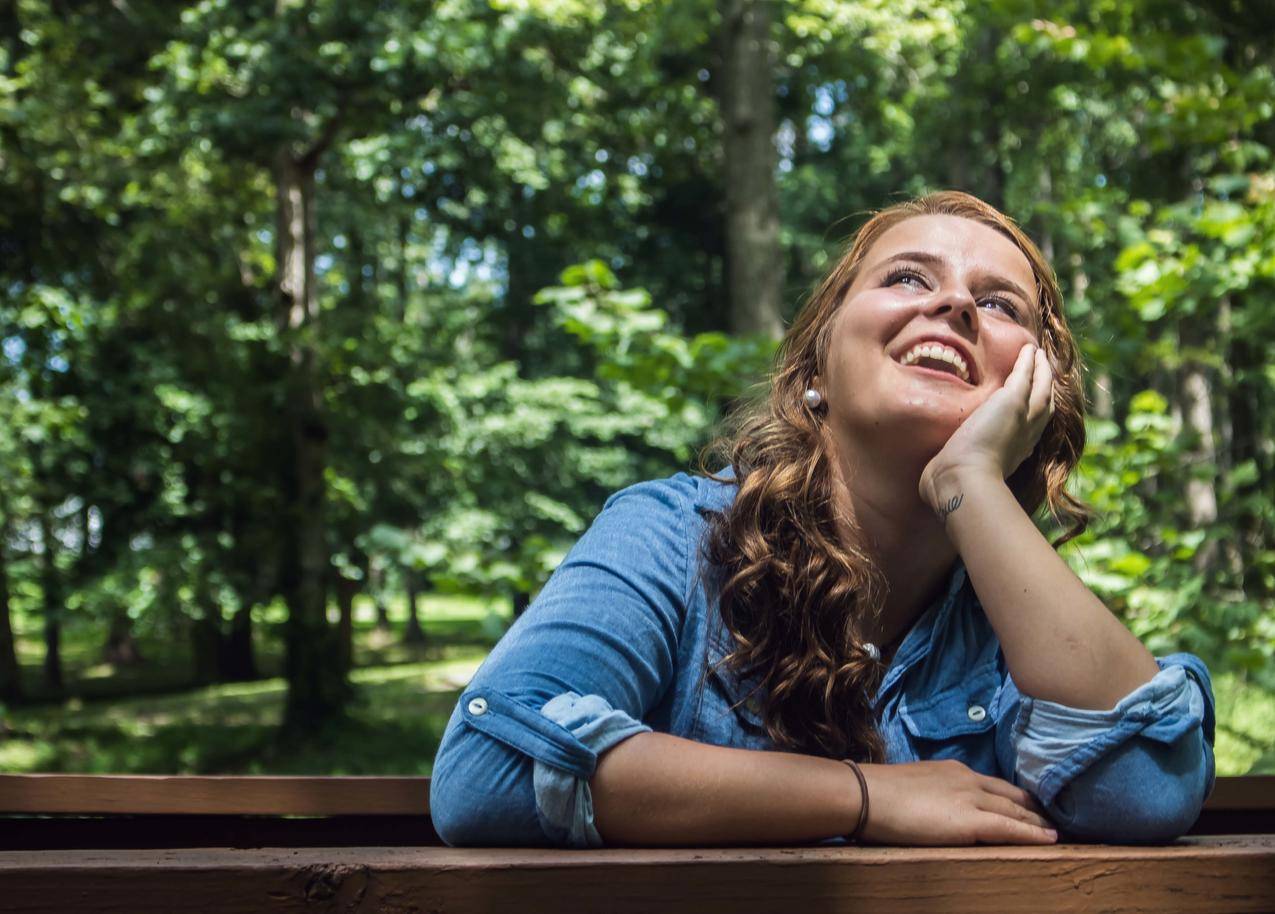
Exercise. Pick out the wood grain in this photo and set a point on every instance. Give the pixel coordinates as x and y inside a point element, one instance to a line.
<point>334,796</point>
<point>213,794</point>
<point>1215,874</point>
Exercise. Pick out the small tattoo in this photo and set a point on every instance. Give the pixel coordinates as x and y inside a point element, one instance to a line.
<point>952,504</point>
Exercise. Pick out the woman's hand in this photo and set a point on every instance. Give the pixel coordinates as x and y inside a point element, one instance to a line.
<point>947,802</point>
<point>1001,433</point>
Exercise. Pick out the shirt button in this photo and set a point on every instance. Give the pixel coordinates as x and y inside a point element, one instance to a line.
<point>478,706</point>
<point>977,712</point>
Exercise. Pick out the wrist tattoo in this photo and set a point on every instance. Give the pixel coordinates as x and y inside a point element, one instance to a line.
<point>952,504</point>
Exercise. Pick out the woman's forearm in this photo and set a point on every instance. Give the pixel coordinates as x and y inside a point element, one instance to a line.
<point>1060,642</point>
<point>659,789</point>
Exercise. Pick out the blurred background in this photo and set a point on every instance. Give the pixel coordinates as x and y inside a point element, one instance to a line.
<point>327,327</point>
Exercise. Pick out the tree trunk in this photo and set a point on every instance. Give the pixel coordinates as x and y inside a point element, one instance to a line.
<point>376,589</point>
<point>346,588</point>
<point>754,259</point>
<point>205,650</point>
<point>121,646</point>
<point>1101,396</point>
<point>10,672</point>
<point>317,686</point>
<point>238,663</point>
<point>1200,451</point>
<point>1243,408</point>
<point>51,585</point>
<point>205,633</point>
<point>1045,192</point>
<point>400,270</point>
<point>993,188</point>
<point>356,260</point>
<point>413,633</point>
<point>1104,406</point>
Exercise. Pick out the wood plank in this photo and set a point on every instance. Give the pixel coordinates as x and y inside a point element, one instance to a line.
<point>119,832</point>
<point>1216,874</point>
<point>1248,792</point>
<point>178,831</point>
<point>213,794</point>
<point>101,794</point>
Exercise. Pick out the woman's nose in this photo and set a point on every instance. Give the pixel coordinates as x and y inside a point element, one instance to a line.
<point>956,302</point>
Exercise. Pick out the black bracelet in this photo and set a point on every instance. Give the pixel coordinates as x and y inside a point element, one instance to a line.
<point>863,809</point>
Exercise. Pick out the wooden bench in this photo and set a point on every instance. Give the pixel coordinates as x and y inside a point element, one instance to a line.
<point>157,843</point>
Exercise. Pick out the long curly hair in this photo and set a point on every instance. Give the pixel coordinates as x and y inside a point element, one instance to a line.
<point>792,592</point>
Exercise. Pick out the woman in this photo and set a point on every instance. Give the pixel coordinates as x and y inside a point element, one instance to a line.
<point>862,581</point>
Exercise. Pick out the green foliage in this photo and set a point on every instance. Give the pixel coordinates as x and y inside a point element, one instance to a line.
<point>528,461</point>
<point>520,274</point>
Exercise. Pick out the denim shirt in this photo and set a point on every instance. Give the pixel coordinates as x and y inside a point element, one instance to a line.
<point>620,638</point>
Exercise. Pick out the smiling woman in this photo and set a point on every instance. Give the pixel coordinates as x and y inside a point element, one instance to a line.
<point>861,583</point>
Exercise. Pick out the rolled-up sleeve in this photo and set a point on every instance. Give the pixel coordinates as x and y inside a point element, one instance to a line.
<point>1137,772</point>
<point>573,677</point>
<point>562,798</point>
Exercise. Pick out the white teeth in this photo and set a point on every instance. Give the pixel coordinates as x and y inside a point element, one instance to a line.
<point>940,352</point>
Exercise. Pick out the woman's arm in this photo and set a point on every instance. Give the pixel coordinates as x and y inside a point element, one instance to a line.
<point>660,789</point>
<point>571,679</point>
<point>1109,739</point>
<point>1060,642</point>
<point>1115,743</point>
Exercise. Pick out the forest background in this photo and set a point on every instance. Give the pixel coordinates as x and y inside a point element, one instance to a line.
<point>326,327</point>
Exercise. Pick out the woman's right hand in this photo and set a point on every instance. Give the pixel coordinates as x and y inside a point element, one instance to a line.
<point>948,803</point>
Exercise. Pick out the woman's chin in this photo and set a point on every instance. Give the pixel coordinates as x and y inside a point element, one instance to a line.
<point>921,432</point>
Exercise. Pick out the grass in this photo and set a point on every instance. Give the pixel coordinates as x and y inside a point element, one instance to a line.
<point>448,621</point>
<point>395,727</point>
<point>405,695</point>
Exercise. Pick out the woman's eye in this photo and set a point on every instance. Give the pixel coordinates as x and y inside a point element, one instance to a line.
<point>1005,305</point>
<point>899,275</point>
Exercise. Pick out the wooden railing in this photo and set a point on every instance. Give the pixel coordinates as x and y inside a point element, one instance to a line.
<point>158,843</point>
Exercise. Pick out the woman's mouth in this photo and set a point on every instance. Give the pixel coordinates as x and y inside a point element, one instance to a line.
<point>937,360</point>
<point>941,374</point>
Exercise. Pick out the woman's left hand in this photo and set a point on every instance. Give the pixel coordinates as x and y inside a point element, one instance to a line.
<point>1002,432</point>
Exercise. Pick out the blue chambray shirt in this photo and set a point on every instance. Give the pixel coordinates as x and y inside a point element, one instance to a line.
<point>619,640</point>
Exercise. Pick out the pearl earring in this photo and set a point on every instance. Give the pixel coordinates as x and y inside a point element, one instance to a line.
<point>813,398</point>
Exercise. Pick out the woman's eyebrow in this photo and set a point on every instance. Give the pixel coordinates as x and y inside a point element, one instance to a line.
<point>925,257</point>
<point>934,260</point>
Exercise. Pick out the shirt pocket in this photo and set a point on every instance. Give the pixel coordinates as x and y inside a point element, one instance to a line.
<point>956,722</point>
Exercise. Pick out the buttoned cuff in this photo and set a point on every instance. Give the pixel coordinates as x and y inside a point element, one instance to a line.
<point>563,800</point>
<point>1056,742</point>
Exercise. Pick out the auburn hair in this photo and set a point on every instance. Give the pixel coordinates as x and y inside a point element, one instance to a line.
<point>793,593</point>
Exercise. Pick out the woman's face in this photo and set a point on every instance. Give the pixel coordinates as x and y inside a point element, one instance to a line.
<point>956,282</point>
